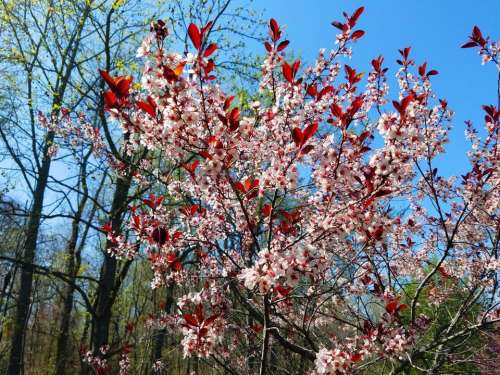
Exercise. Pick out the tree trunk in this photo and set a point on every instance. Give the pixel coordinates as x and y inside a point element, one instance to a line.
<point>15,366</point>
<point>72,266</point>
<point>159,338</point>
<point>23,300</point>
<point>107,288</point>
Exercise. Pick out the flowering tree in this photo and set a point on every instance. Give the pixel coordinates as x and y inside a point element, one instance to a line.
<point>310,230</point>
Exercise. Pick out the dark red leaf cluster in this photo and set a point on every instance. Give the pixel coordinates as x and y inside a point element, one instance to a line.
<point>350,23</point>
<point>119,91</point>
<point>476,39</point>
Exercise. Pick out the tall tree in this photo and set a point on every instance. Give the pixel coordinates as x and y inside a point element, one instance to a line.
<point>41,26</point>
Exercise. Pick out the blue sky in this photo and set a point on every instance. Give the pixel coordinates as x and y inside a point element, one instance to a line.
<point>435,29</point>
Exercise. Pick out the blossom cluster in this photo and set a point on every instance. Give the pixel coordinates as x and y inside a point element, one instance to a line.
<point>296,200</point>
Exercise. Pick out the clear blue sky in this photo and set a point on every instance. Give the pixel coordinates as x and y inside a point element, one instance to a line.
<point>435,29</point>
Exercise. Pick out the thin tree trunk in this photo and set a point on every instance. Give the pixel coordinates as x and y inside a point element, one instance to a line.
<point>72,267</point>
<point>83,347</point>
<point>159,339</point>
<point>265,341</point>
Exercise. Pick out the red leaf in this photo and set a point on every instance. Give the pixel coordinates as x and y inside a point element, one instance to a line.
<point>257,328</point>
<point>210,320</point>
<point>391,306</point>
<point>377,233</point>
<point>110,100</point>
<point>470,45</point>
<point>325,91</point>
<point>190,320</point>
<point>107,78</point>
<point>357,34</point>
<point>235,114</point>
<point>148,108</point>
<point>123,85</point>
<point>403,306</point>
<point>160,235</point>
<point>282,45</point>
<point>338,25</point>
<point>421,69</point>
<point>396,105</point>
<point>275,29</point>
<point>282,291</point>
<point>210,49</point>
<point>355,105</point>
<point>203,332</point>
<point>336,110</point>
<point>310,131</point>
<point>227,103</point>
<point>255,183</point>
<point>355,16</point>
<point>268,46</point>
<point>248,184</point>
<point>287,72</point>
<point>191,167</point>
<point>199,313</point>
<point>274,25</point>
<point>382,192</point>
<point>193,209</point>
<point>405,52</point>
<point>194,35</point>
<point>312,90</point>
<point>478,36</point>
<point>297,136</point>
<point>307,149</point>
<point>177,234</point>
<point>206,28</point>
<point>443,272</point>
<point>356,357</point>
<point>208,68</point>
<point>363,136</point>
<point>239,186</point>
<point>204,154</point>
<point>266,210</point>
<point>432,73</point>
<point>476,32</point>
<point>190,210</point>
<point>377,63</point>
<point>177,266</point>
<point>234,119</point>
<point>151,102</point>
<point>107,228</point>
<point>406,101</point>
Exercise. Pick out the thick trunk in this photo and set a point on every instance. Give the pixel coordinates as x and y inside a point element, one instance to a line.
<point>15,366</point>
